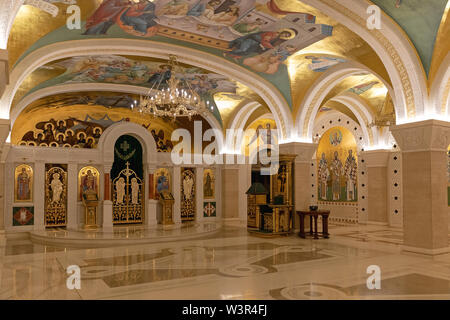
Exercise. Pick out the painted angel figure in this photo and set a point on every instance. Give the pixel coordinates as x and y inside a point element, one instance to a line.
<point>265,134</point>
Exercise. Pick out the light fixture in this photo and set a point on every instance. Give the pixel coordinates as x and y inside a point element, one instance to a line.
<point>172,96</point>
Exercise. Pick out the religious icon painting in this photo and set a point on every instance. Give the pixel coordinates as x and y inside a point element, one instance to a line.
<point>23,191</point>
<point>55,195</point>
<point>187,194</point>
<point>88,181</point>
<point>208,184</point>
<point>209,209</point>
<point>162,181</point>
<point>23,216</point>
<point>337,166</point>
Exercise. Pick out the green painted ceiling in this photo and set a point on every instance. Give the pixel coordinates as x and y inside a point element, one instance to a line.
<point>420,19</point>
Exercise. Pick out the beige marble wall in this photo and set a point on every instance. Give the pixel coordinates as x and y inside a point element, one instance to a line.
<point>230,193</point>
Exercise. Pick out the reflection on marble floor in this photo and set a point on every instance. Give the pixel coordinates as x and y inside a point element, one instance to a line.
<point>230,264</point>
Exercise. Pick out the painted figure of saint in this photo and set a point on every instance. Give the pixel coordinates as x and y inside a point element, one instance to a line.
<point>23,186</point>
<point>254,43</point>
<point>336,170</point>
<point>89,183</point>
<point>350,174</point>
<point>57,188</point>
<point>162,183</point>
<point>188,183</point>
<point>140,16</point>
<point>105,16</point>
<point>202,8</point>
<point>120,190</point>
<point>324,176</point>
<point>134,191</point>
<point>208,191</point>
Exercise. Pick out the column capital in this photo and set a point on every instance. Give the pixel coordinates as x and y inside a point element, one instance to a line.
<point>429,135</point>
<point>303,151</point>
<point>376,158</point>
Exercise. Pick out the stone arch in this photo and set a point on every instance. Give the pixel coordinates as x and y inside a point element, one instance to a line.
<point>393,47</point>
<point>440,89</point>
<point>114,132</point>
<point>319,90</point>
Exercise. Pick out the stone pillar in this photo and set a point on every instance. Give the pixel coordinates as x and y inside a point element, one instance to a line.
<point>73,220</point>
<point>236,180</point>
<point>302,175</point>
<point>199,196</point>
<point>107,203</point>
<point>152,204</point>
<point>4,71</point>
<point>39,195</point>
<point>424,152</point>
<point>377,177</point>
<point>176,188</point>
<point>5,126</point>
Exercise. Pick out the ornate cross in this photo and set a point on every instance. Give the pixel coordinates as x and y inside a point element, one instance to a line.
<point>125,146</point>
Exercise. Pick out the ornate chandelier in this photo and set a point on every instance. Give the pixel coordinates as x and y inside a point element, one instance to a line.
<point>172,97</point>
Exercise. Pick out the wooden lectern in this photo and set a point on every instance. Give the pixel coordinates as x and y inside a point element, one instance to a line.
<point>167,200</point>
<point>90,202</point>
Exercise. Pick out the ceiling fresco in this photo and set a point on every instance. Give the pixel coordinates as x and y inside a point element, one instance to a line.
<point>420,20</point>
<point>286,42</point>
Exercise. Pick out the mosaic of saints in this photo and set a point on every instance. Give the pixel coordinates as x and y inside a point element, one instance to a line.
<point>324,177</point>
<point>336,170</point>
<point>350,174</point>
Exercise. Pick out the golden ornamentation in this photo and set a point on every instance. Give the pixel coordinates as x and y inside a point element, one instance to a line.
<point>55,195</point>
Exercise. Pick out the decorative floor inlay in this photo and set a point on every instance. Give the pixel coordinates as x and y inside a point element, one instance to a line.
<point>229,264</point>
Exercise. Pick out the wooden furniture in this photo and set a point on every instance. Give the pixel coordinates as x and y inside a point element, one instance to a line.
<point>313,216</point>
<point>256,196</point>
<point>167,200</point>
<point>90,202</point>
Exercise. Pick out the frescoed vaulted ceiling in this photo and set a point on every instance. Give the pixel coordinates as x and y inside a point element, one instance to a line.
<point>288,44</point>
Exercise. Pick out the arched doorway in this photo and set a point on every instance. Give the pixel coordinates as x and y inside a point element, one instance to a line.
<point>128,181</point>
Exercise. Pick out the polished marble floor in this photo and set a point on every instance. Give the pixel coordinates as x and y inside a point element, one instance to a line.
<point>230,264</point>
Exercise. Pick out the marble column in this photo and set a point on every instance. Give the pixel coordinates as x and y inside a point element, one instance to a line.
<point>5,126</point>
<point>152,204</point>
<point>107,203</point>
<point>4,70</point>
<point>39,195</point>
<point>73,221</point>
<point>302,175</point>
<point>176,188</point>
<point>377,177</point>
<point>199,217</point>
<point>424,152</point>
<point>236,180</point>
